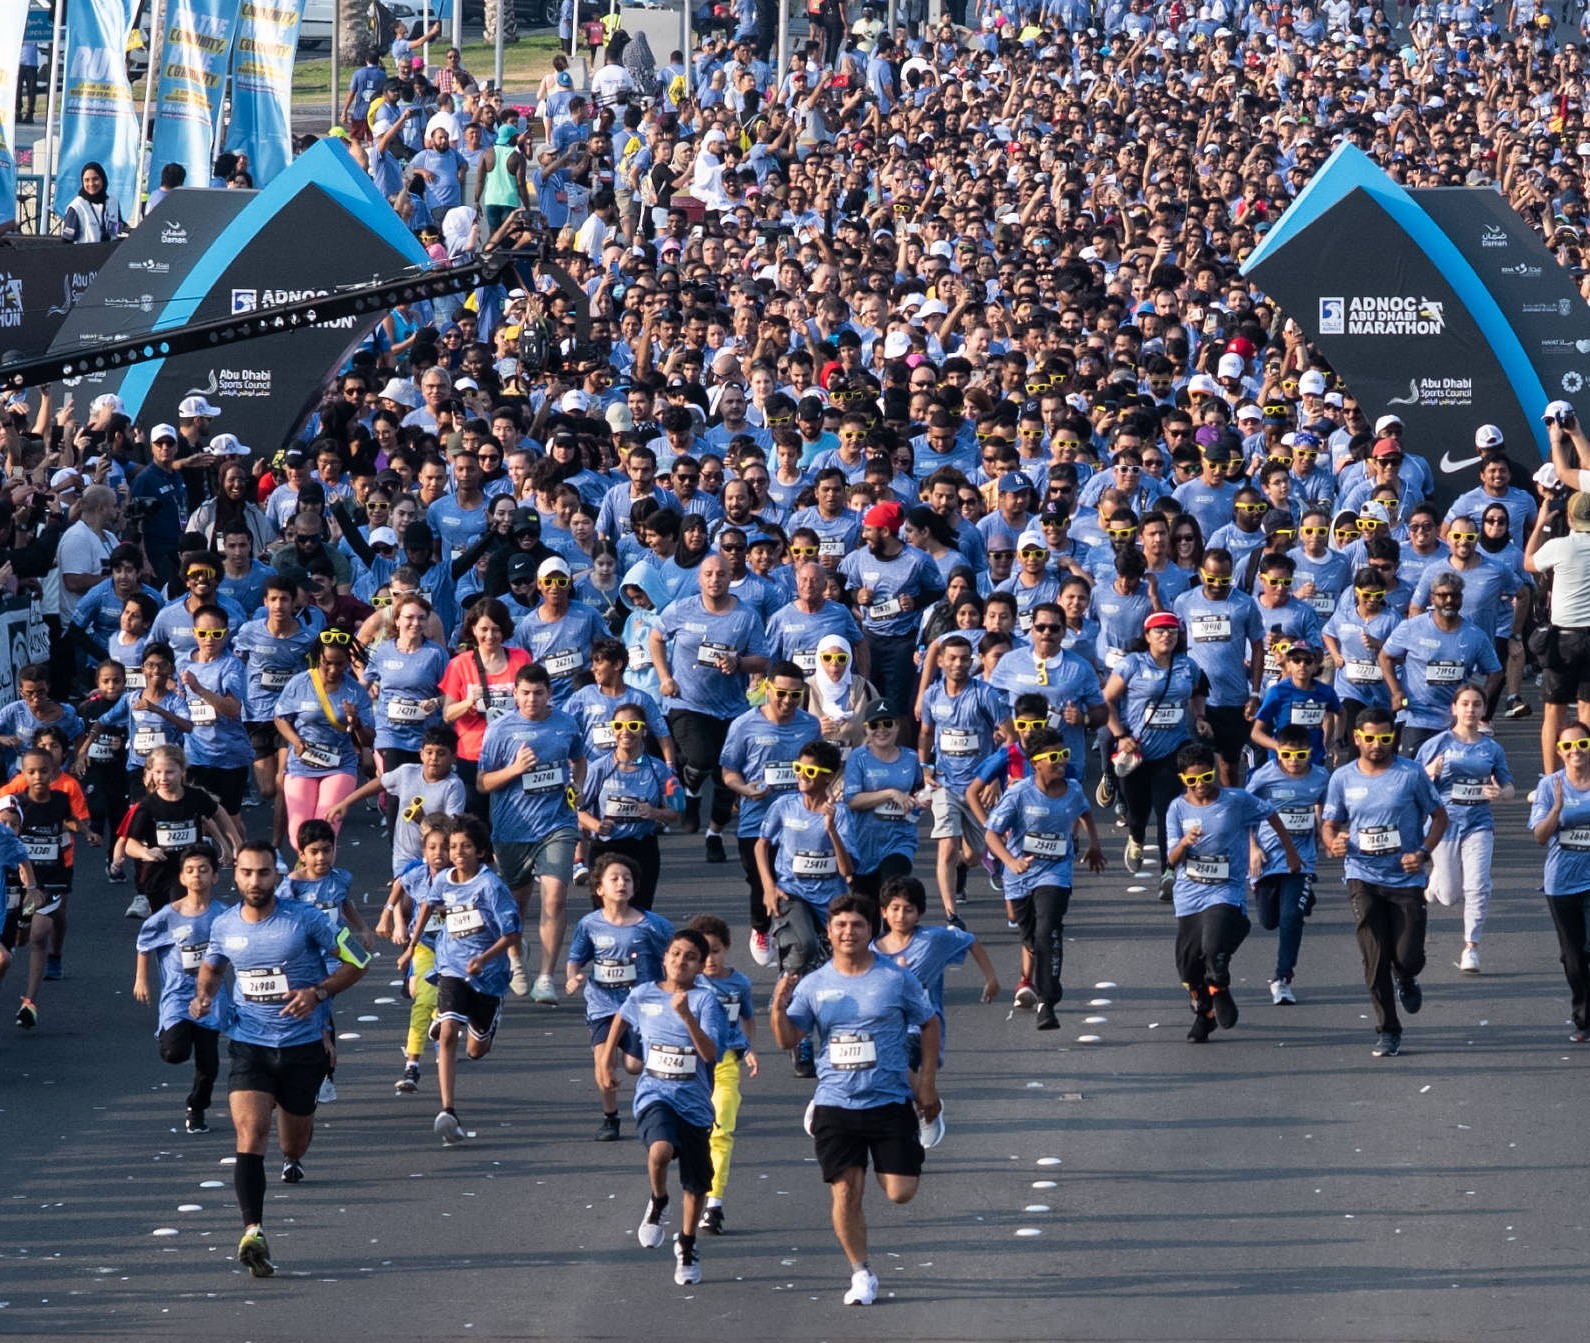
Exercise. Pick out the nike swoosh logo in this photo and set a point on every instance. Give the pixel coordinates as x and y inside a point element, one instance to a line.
<point>1447,464</point>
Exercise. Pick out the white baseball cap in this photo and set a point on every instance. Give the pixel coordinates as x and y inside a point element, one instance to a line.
<point>109,401</point>
<point>1248,411</point>
<point>1312,383</point>
<point>896,344</point>
<point>1385,422</point>
<point>556,565</point>
<point>226,445</point>
<point>1487,436</point>
<point>383,536</point>
<point>574,402</point>
<point>1231,366</point>
<point>193,407</point>
<point>401,391</point>
<point>161,431</point>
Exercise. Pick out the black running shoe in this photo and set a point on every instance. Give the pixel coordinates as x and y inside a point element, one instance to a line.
<point>1410,995</point>
<point>1225,1009</point>
<point>292,1172</point>
<point>712,1222</point>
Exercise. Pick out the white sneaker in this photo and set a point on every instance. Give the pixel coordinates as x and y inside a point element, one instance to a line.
<point>863,1288</point>
<point>139,908</point>
<point>650,1231</point>
<point>448,1129</point>
<point>930,1133</point>
<point>518,981</point>
<point>762,952</point>
<point>1281,992</point>
<point>1133,858</point>
<point>1469,961</point>
<point>544,991</point>
<point>687,1264</point>
<point>327,1092</point>
<point>581,874</point>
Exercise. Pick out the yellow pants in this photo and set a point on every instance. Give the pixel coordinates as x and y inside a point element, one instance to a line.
<point>424,1007</point>
<point>726,1108</point>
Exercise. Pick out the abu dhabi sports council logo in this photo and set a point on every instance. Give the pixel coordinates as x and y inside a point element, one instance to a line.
<point>244,300</point>
<point>1442,392</point>
<point>211,388</point>
<point>1332,316</point>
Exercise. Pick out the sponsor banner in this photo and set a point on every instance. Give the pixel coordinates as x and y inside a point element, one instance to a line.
<point>99,123</point>
<point>40,285</point>
<point>262,85</point>
<point>12,21</point>
<point>193,63</point>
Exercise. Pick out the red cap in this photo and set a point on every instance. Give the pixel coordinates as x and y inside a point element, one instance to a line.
<point>1240,345</point>
<point>890,516</point>
<point>1162,620</point>
<point>1387,447</point>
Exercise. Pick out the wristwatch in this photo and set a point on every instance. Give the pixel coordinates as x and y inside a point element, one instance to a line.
<point>320,993</point>
<point>1425,852</point>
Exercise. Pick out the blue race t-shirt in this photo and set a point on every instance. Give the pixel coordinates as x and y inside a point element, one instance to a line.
<point>862,1022</point>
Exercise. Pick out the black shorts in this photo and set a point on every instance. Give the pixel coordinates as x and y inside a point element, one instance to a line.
<point>291,1076</point>
<point>457,1001</point>
<point>628,1041</point>
<point>888,1134</point>
<point>1567,674</point>
<point>1231,730</point>
<point>265,739</point>
<point>659,1123</point>
<point>224,785</point>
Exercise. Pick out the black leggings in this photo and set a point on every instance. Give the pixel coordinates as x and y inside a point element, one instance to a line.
<point>1569,917</point>
<point>1152,786</point>
<point>870,884</point>
<point>698,737</point>
<point>1205,942</point>
<point>641,850</point>
<point>185,1039</point>
<point>1041,917</point>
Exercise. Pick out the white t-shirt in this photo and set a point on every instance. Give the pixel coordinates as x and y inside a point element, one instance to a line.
<point>1568,559</point>
<point>81,552</point>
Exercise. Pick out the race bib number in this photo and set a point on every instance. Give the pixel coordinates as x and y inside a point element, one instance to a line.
<point>1364,673</point>
<point>957,741</point>
<point>320,757</point>
<point>147,738</point>
<point>1165,715</point>
<point>709,653</point>
<point>499,699</point>
<point>621,807</point>
<point>1211,629</point>
<point>613,974</point>
<point>1044,846</point>
<point>1213,871</point>
<point>1377,839</point>
<point>464,920</point>
<point>404,711</point>
<point>193,957</point>
<point>1308,714</point>
<point>265,985</point>
<point>565,662</point>
<point>1297,820</point>
<point>1024,621</point>
<point>176,834</point>
<point>1575,837</point>
<point>889,811</point>
<point>201,713</point>
<point>106,746</point>
<point>851,1051</point>
<point>831,547</point>
<point>603,737</point>
<point>1443,673</point>
<point>42,848</point>
<point>547,780</point>
<point>639,657</point>
<point>273,678</point>
<point>1323,603</point>
<point>889,606</point>
<point>811,863</point>
<point>136,680</point>
<point>780,774</point>
<point>1113,657</point>
<point>670,1063</point>
<point>805,659</point>
<point>1468,791</point>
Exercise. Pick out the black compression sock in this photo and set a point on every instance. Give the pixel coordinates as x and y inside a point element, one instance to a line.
<point>248,1179</point>
<point>688,1242</point>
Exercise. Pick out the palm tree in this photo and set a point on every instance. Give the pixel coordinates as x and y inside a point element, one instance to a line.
<point>504,12</point>
<point>362,26</point>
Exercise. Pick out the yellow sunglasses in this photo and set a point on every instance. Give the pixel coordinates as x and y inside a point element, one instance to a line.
<point>1194,780</point>
<point>628,725</point>
<point>380,599</point>
<point>1214,581</point>
<point>1377,738</point>
<point>1370,592</point>
<point>209,635</point>
<point>811,771</point>
<point>1059,753</point>
<point>335,637</point>
<point>1582,744</point>
<point>1301,753</point>
<point>413,810</point>
<point>835,659</point>
<point>1462,536</point>
<point>803,552</point>
<point>555,581</point>
<point>1031,724</point>
<point>1314,531</point>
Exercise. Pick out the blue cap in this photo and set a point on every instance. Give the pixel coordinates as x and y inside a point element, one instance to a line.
<point>1013,482</point>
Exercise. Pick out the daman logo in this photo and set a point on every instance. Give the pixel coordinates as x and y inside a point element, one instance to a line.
<point>1493,235</point>
<point>173,235</point>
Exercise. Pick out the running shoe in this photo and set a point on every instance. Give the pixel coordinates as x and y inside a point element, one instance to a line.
<point>650,1231</point>
<point>1132,857</point>
<point>292,1172</point>
<point>1410,995</point>
<point>1046,1020</point>
<point>1516,708</point>
<point>433,1032</point>
<point>930,1132</point>
<point>1469,961</point>
<point>609,1130</point>
<point>1387,1045</point>
<point>711,1221</point>
<point>518,982</point>
<point>762,949</point>
<point>1026,995</point>
<point>327,1092</point>
<point>544,991</point>
<point>409,1083</point>
<point>195,1122</point>
<point>805,1062</point>
<point>1104,794</point>
<point>52,967</point>
<point>447,1127</point>
<point>1579,1038</point>
<point>28,1014</point>
<point>117,876</point>
<point>954,921</point>
<point>582,874</point>
<point>687,1263</point>
<point>254,1254</point>
<point>1281,992</point>
<point>1225,1008</point>
<point>139,908</point>
<point>715,852</point>
<point>1167,886</point>
<point>863,1288</point>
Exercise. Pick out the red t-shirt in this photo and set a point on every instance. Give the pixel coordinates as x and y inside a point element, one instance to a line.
<point>459,682</point>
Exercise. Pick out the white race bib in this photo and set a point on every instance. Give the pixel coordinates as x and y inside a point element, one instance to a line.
<point>851,1051</point>
<point>176,834</point>
<point>201,713</point>
<point>1210,629</point>
<point>805,659</point>
<point>1323,603</point>
<point>671,1063</point>
<point>957,741</point>
<point>621,807</point>
<point>145,739</point>
<point>1468,791</point>
<point>404,711</point>
<point>1377,839</point>
<point>320,757</point>
<point>42,848</point>
<point>1364,673</point>
<point>709,653</point>
<point>273,678</point>
<point>639,657</point>
<point>1212,871</point>
<point>264,985</point>
<point>1575,837</point>
<point>1113,657</point>
<point>613,974</point>
<point>831,546</point>
<point>105,746</point>
<point>193,957</point>
<point>889,811</point>
<point>1044,846</point>
<point>463,920</point>
<point>779,774</point>
<point>811,863</point>
<point>1443,673</point>
<point>136,680</point>
<point>1165,715</point>
<point>546,780</point>
<point>1297,820</point>
<point>1308,714</point>
<point>889,606</point>
<point>565,662</point>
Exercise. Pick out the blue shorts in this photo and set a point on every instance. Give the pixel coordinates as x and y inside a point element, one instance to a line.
<point>602,1027</point>
<point>658,1123</point>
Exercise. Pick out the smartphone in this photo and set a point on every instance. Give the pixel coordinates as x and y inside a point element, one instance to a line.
<point>839,82</point>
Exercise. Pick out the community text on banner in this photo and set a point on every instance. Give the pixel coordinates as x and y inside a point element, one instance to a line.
<point>99,123</point>
<point>262,85</point>
<point>193,63</point>
<point>13,18</point>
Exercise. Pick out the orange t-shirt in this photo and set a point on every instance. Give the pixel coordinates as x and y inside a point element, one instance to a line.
<point>458,682</point>
<point>74,795</point>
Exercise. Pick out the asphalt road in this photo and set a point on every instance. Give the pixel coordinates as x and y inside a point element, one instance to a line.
<point>1277,1183</point>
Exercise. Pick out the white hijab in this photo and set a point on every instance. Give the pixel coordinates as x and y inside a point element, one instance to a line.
<point>833,697</point>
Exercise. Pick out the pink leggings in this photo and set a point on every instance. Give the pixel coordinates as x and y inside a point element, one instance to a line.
<point>311,798</point>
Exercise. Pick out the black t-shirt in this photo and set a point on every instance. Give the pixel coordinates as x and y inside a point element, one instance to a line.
<point>43,834</point>
<point>171,827</point>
